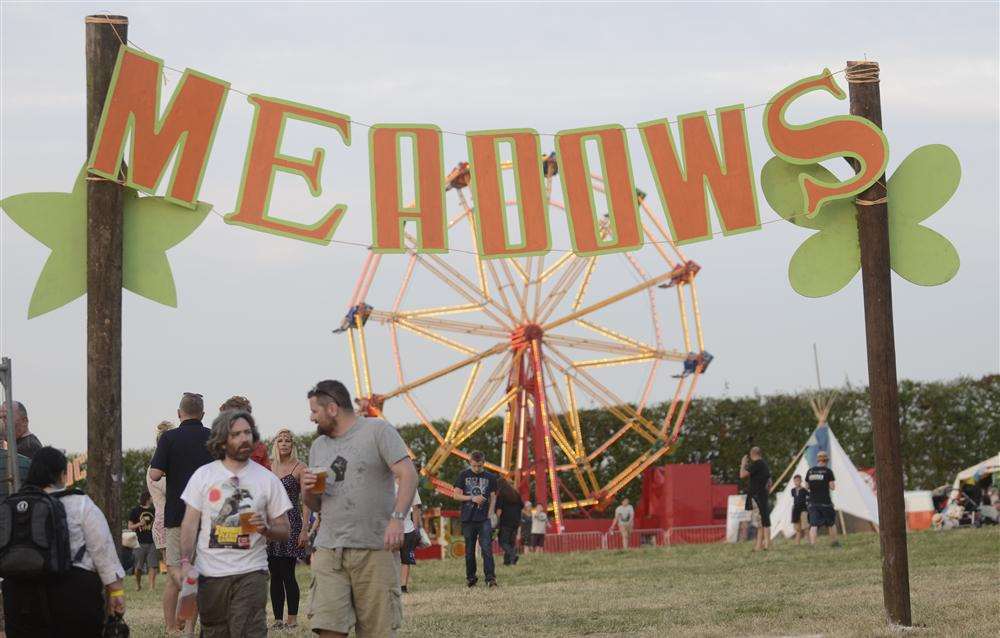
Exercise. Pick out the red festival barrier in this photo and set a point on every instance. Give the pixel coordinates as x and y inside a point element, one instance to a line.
<point>696,534</point>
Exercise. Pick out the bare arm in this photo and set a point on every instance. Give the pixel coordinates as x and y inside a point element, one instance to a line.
<point>744,472</point>
<point>833,485</point>
<point>277,528</point>
<point>155,474</point>
<point>493,502</point>
<point>189,531</point>
<point>406,477</point>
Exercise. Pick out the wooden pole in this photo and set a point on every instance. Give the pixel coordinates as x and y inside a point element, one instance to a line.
<point>873,235</point>
<point>104,36</point>
<point>7,380</point>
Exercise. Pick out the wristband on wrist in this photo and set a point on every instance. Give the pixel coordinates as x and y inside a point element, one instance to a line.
<point>117,593</point>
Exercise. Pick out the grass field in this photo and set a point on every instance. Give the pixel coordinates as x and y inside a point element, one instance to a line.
<point>695,590</point>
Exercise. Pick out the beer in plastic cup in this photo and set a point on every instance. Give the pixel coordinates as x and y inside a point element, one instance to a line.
<point>320,486</point>
<point>246,526</point>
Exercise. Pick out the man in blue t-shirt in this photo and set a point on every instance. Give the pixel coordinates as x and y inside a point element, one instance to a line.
<point>477,490</point>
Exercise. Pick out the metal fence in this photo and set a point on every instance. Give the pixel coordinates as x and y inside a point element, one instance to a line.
<point>592,541</point>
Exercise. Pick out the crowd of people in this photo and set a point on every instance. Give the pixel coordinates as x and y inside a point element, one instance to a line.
<point>231,520</point>
<point>812,499</point>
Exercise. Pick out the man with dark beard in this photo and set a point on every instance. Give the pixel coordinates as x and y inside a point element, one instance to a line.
<point>356,564</point>
<point>240,506</point>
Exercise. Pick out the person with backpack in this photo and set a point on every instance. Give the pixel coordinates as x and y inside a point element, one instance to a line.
<point>55,576</point>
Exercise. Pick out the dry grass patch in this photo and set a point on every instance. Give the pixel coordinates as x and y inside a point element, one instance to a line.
<point>703,590</point>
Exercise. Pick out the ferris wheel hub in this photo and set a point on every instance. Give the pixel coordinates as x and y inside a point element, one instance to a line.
<point>523,335</point>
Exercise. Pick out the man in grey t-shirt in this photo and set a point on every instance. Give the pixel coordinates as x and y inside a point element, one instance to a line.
<point>355,567</point>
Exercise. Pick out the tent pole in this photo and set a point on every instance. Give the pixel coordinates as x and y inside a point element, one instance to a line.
<point>795,460</point>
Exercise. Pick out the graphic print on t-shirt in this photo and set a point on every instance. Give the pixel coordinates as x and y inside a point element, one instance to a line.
<point>225,502</point>
<point>339,467</point>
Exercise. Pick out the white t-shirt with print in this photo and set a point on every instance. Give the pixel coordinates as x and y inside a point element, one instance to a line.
<point>220,496</point>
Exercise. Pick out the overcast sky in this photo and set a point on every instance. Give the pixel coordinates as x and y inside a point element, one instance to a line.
<point>255,310</point>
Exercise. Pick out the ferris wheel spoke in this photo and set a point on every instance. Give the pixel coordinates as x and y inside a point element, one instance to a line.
<point>424,380</point>
<point>497,377</point>
<point>456,419</point>
<point>470,428</point>
<point>622,349</point>
<point>560,290</point>
<point>460,284</point>
<point>667,237</point>
<point>612,334</point>
<point>447,325</point>
<point>436,338</point>
<point>607,301</point>
<point>507,288</point>
<point>619,411</point>
<point>505,266</point>
<point>595,387</point>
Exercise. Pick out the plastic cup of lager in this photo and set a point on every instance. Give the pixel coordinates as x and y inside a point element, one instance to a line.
<point>245,526</point>
<point>320,485</point>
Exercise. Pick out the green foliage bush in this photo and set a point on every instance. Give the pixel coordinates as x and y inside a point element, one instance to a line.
<point>946,426</point>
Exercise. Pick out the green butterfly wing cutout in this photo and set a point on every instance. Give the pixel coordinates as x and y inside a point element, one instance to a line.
<point>827,261</point>
<point>59,220</point>
<point>922,185</point>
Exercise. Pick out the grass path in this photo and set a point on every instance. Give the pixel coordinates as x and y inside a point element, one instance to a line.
<point>697,590</point>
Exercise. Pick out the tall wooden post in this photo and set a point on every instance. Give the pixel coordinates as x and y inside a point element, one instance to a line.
<point>105,35</point>
<point>873,235</point>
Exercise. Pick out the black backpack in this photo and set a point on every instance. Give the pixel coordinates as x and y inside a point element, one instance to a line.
<point>34,535</point>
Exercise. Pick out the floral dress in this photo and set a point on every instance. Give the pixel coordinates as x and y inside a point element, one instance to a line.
<point>289,548</point>
<point>158,492</point>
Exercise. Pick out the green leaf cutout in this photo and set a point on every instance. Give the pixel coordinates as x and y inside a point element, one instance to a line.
<point>829,259</point>
<point>59,220</point>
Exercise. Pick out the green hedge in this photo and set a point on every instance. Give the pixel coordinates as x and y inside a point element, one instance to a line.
<point>946,426</point>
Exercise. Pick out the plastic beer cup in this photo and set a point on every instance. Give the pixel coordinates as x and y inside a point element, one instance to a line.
<point>320,486</point>
<point>245,526</point>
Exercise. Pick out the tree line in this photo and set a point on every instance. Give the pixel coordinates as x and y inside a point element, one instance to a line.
<point>946,427</point>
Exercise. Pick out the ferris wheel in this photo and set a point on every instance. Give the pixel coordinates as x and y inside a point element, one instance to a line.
<point>523,341</point>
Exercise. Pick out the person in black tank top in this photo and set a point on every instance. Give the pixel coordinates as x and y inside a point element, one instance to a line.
<point>754,468</point>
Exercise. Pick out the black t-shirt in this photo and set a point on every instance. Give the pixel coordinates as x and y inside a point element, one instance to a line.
<point>800,496</point>
<point>28,444</point>
<point>471,484</point>
<point>179,453</point>
<point>510,513</point>
<point>144,516</point>
<point>759,475</point>
<point>819,479</point>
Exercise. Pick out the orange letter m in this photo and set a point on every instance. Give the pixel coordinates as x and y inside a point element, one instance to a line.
<point>187,127</point>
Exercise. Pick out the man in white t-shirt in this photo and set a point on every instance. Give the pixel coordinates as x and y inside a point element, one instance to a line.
<point>240,506</point>
<point>624,521</point>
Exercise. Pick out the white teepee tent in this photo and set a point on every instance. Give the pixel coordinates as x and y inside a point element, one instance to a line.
<point>853,495</point>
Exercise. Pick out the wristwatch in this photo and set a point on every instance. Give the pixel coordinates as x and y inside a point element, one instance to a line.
<point>399,516</point>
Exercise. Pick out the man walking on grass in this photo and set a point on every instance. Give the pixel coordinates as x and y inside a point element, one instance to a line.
<point>356,564</point>
<point>477,490</point>
<point>239,506</point>
<point>179,452</point>
<point>624,521</point>
<point>821,513</point>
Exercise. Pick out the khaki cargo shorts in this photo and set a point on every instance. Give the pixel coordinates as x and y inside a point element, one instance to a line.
<point>173,553</point>
<point>356,588</point>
